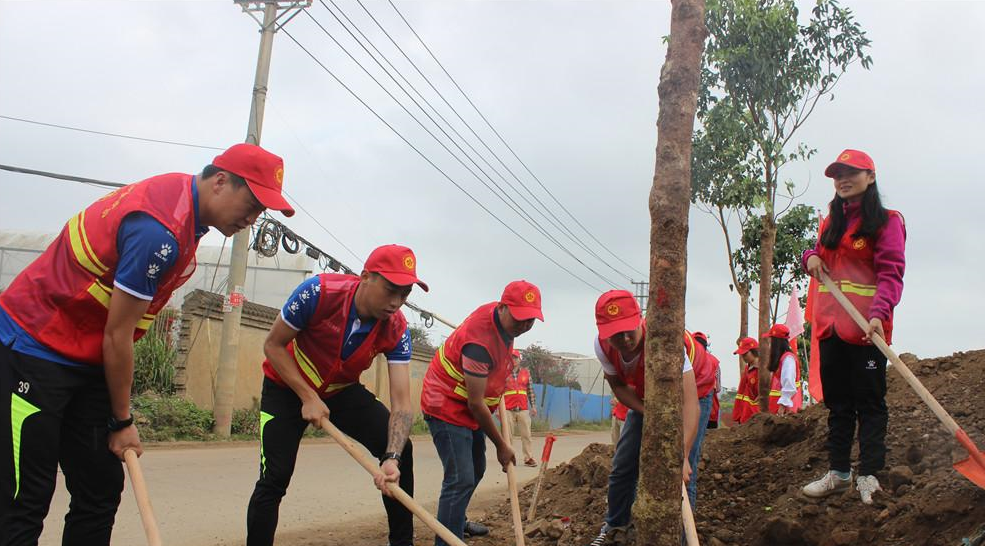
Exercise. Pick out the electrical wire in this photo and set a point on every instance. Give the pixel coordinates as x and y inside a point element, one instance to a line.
<point>501,139</point>
<point>118,135</point>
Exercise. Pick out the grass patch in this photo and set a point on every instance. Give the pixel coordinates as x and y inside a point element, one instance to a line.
<point>595,426</point>
<point>170,418</point>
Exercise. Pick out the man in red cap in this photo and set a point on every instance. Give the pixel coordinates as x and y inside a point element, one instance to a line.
<point>68,323</point>
<point>620,349</point>
<point>521,405</point>
<point>330,330</point>
<point>747,396</point>
<point>462,389</point>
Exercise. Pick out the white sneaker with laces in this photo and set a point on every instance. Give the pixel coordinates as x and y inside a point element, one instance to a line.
<point>829,484</point>
<point>867,485</point>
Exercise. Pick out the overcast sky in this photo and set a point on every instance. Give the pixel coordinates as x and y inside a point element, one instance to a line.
<point>570,85</point>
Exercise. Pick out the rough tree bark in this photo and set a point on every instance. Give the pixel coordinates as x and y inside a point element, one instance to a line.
<point>767,242</point>
<point>658,504</point>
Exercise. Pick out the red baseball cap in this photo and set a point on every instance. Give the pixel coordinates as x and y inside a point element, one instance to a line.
<point>617,311</point>
<point>746,344</point>
<point>523,300</point>
<point>262,170</point>
<point>852,158</point>
<point>778,330</point>
<point>396,263</point>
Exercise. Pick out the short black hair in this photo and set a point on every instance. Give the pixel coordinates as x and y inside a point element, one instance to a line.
<point>211,170</point>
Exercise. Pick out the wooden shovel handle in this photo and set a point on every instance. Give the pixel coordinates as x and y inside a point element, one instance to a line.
<point>143,500</point>
<point>690,530</point>
<point>511,479</point>
<point>898,364</point>
<point>373,467</point>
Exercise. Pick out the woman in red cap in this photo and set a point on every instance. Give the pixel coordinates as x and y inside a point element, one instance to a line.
<point>747,397</point>
<point>861,248</point>
<point>785,394</point>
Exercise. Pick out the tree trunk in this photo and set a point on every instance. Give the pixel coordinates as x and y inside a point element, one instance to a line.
<point>767,242</point>
<point>743,313</point>
<point>658,504</point>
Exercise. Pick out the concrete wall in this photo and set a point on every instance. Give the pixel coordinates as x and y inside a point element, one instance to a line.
<point>198,355</point>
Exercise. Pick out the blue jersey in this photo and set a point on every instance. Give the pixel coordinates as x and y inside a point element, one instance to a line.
<point>301,306</point>
<point>147,250</point>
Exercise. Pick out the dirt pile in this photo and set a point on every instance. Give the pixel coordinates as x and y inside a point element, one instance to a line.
<point>751,475</point>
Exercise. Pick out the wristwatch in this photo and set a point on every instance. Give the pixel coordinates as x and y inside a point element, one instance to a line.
<point>116,425</point>
<point>390,455</point>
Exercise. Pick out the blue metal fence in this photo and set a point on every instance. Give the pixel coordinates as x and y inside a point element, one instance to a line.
<point>561,405</point>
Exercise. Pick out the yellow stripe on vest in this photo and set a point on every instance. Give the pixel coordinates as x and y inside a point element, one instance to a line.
<point>447,365</point>
<point>102,294</point>
<point>461,391</point>
<point>307,367</point>
<point>508,393</point>
<point>866,290</point>
<point>81,248</point>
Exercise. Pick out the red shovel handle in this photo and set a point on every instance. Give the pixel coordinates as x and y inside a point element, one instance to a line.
<point>545,456</point>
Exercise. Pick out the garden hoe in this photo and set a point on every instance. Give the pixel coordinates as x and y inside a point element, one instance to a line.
<point>143,500</point>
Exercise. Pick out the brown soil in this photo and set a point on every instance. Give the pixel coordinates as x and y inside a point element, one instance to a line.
<point>749,489</point>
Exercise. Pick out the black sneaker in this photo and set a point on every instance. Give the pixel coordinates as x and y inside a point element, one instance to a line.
<point>599,540</point>
<point>475,529</point>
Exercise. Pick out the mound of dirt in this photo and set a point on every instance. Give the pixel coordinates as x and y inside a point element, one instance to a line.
<point>751,475</point>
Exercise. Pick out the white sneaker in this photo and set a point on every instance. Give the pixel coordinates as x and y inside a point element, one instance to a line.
<point>829,484</point>
<point>867,485</point>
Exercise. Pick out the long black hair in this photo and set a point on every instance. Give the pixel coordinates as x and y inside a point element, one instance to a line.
<point>874,216</point>
<point>778,346</point>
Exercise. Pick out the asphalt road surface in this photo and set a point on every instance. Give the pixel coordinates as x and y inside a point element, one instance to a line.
<point>200,493</point>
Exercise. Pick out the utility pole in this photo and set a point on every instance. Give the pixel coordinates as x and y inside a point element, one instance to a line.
<point>225,383</point>
<point>642,291</point>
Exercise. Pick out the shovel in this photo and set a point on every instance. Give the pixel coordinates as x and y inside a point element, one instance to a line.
<point>373,468</point>
<point>511,479</point>
<point>690,531</point>
<point>545,458</point>
<point>973,467</point>
<point>143,499</point>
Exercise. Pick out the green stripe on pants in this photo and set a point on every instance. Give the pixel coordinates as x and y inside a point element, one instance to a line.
<point>20,410</point>
<point>264,417</point>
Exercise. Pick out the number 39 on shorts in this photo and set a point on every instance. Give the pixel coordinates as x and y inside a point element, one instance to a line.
<point>23,387</point>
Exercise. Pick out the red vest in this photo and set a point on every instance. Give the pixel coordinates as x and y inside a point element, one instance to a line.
<point>704,363</point>
<point>443,394</point>
<point>515,395</point>
<point>776,386</point>
<point>62,298</point>
<point>747,397</point>
<point>851,267</point>
<point>317,349</point>
<point>634,380</point>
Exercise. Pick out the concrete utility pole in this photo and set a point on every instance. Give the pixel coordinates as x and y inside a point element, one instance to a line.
<point>225,382</point>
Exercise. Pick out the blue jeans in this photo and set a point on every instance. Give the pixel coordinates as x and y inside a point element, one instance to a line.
<point>463,456</point>
<point>625,472</point>
<point>694,457</point>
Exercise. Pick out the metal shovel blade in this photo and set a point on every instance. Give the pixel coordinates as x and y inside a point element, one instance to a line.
<point>973,467</point>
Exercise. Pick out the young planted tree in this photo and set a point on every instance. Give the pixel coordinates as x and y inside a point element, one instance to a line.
<point>658,505</point>
<point>772,71</point>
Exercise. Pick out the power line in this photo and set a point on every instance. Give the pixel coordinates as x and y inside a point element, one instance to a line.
<point>118,135</point>
<point>89,181</point>
<point>498,135</point>
<point>550,216</point>
<point>433,164</point>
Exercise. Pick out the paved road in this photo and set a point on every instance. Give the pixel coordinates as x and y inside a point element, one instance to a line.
<point>200,493</point>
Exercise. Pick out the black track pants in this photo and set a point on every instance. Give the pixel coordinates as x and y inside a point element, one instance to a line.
<point>55,415</point>
<point>357,413</point>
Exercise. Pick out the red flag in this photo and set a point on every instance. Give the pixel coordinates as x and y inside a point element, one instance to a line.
<point>795,318</point>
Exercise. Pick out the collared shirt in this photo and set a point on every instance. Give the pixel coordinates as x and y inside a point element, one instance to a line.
<point>146,249</point>
<point>303,302</point>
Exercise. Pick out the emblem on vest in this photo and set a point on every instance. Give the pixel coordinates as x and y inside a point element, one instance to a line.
<point>859,244</point>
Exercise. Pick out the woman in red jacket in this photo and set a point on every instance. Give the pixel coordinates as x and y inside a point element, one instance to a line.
<point>861,248</point>
<point>785,391</point>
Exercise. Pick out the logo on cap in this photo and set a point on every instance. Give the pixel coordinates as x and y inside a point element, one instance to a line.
<point>279,175</point>
<point>859,244</point>
<point>612,309</point>
<point>844,157</point>
<point>530,296</point>
<point>409,261</point>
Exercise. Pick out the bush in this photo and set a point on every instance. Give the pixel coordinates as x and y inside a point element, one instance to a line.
<point>246,422</point>
<point>170,418</point>
<point>153,359</point>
